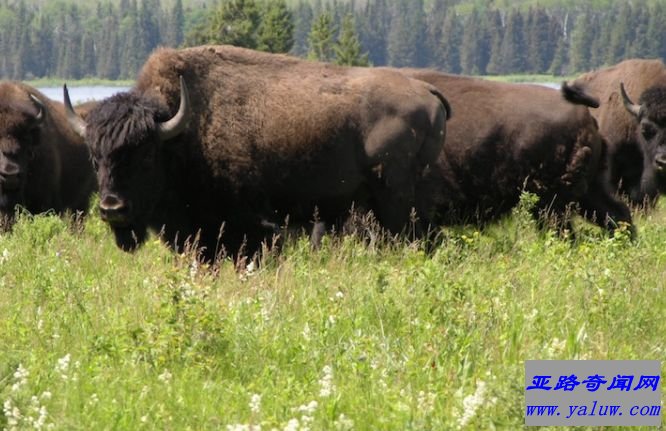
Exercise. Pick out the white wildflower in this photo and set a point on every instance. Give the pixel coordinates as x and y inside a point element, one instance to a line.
<point>5,256</point>
<point>62,366</point>
<point>255,404</point>
<point>144,419</point>
<point>326,382</point>
<point>426,401</point>
<point>165,377</point>
<point>144,392</point>
<point>555,347</point>
<point>292,425</point>
<point>250,268</point>
<point>12,414</point>
<point>472,403</point>
<point>21,378</point>
<point>308,409</point>
<point>343,423</point>
<point>94,399</point>
<point>46,395</point>
<point>306,332</point>
<point>331,320</point>
<point>40,422</point>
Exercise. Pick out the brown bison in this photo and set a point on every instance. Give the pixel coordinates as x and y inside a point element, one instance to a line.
<point>636,133</point>
<point>44,164</point>
<point>244,136</point>
<point>506,138</point>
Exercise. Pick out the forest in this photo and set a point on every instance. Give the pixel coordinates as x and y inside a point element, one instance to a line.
<point>112,39</point>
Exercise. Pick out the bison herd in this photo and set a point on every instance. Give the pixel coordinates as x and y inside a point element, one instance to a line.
<point>219,145</point>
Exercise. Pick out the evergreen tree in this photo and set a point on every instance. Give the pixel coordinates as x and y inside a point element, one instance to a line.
<point>495,36</point>
<point>619,34</point>
<point>303,17</point>
<point>149,32</point>
<point>130,60</point>
<point>276,31</point>
<point>406,38</point>
<point>236,23</point>
<point>348,48</point>
<point>656,36</point>
<point>538,41</point>
<point>470,55</point>
<point>321,38</point>
<point>175,23</point>
<point>373,31</point>
<point>449,46</point>
<point>512,50</point>
<point>640,47</point>
<point>581,42</point>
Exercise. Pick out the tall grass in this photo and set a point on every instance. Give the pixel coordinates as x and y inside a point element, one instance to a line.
<point>347,337</point>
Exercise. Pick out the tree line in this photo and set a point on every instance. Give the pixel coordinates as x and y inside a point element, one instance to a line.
<point>111,39</point>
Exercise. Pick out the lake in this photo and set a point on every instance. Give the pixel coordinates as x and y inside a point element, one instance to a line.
<point>82,94</point>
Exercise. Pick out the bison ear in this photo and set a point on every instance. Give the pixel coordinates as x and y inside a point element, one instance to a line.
<point>41,110</point>
<point>632,108</point>
<point>175,126</point>
<point>75,121</point>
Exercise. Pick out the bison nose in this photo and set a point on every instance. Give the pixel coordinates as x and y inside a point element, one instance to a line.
<point>114,209</point>
<point>660,162</point>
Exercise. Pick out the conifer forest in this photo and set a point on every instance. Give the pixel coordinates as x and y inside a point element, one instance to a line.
<point>111,39</point>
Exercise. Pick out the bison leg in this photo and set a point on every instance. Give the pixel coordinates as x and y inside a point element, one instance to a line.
<point>600,207</point>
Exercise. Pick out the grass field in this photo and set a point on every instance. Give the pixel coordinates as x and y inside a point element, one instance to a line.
<point>382,337</point>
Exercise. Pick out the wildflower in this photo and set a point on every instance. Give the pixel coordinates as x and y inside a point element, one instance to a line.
<point>326,382</point>
<point>555,347</point>
<point>308,409</point>
<point>292,425</point>
<point>62,366</point>
<point>46,395</point>
<point>343,423</point>
<point>12,414</point>
<point>472,403</point>
<point>4,257</point>
<point>94,399</point>
<point>306,332</point>
<point>144,419</point>
<point>255,404</point>
<point>165,377</point>
<point>21,377</point>
<point>426,401</point>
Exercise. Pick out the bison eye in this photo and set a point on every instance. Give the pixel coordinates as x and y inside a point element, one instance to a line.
<point>648,131</point>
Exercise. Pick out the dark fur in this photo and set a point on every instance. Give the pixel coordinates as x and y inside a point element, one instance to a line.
<point>506,138</point>
<point>270,136</point>
<point>632,158</point>
<point>54,166</point>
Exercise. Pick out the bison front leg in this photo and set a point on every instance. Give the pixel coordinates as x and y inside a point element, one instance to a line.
<point>599,206</point>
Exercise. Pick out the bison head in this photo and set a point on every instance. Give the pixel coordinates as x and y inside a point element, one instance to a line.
<point>125,134</point>
<point>19,135</point>
<point>650,113</point>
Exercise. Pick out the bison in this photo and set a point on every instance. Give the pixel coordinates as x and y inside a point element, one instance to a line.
<point>44,164</point>
<point>508,138</point>
<point>217,135</point>
<point>636,132</point>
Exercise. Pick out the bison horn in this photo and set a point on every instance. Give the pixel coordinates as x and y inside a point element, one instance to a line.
<point>40,109</point>
<point>628,104</point>
<point>75,121</point>
<point>176,125</point>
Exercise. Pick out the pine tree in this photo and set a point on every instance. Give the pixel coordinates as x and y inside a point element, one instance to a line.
<point>303,17</point>
<point>321,38</point>
<point>581,42</point>
<point>406,38</point>
<point>449,46</point>
<point>236,23</point>
<point>513,45</point>
<point>348,48</point>
<point>619,34</point>
<point>276,31</point>
<point>469,49</point>
<point>374,26</point>
<point>538,41</point>
<point>175,24</point>
<point>495,35</point>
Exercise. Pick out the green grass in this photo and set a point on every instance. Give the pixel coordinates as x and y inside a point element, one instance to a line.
<point>154,341</point>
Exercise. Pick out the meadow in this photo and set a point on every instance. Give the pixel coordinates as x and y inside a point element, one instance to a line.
<point>356,335</point>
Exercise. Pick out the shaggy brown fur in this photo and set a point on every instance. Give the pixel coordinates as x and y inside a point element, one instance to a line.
<point>43,165</point>
<point>270,136</point>
<point>506,138</point>
<point>637,145</point>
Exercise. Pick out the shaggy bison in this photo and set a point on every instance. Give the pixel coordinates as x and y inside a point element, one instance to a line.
<point>506,138</point>
<point>244,137</point>
<point>636,132</point>
<point>44,164</point>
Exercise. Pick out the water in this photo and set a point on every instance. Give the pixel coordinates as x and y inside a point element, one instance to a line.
<point>82,94</point>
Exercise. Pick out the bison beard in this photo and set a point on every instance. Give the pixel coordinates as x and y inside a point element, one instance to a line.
<point>128,238</point>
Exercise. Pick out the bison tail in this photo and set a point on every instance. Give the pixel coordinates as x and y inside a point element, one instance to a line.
<point>442,99</point>
<point>575,93</point>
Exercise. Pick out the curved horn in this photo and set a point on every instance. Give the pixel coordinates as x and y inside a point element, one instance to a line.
<point>41,109</point>
<point>628,104</point>
<point>75,121</point>
<point>173,127</point>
